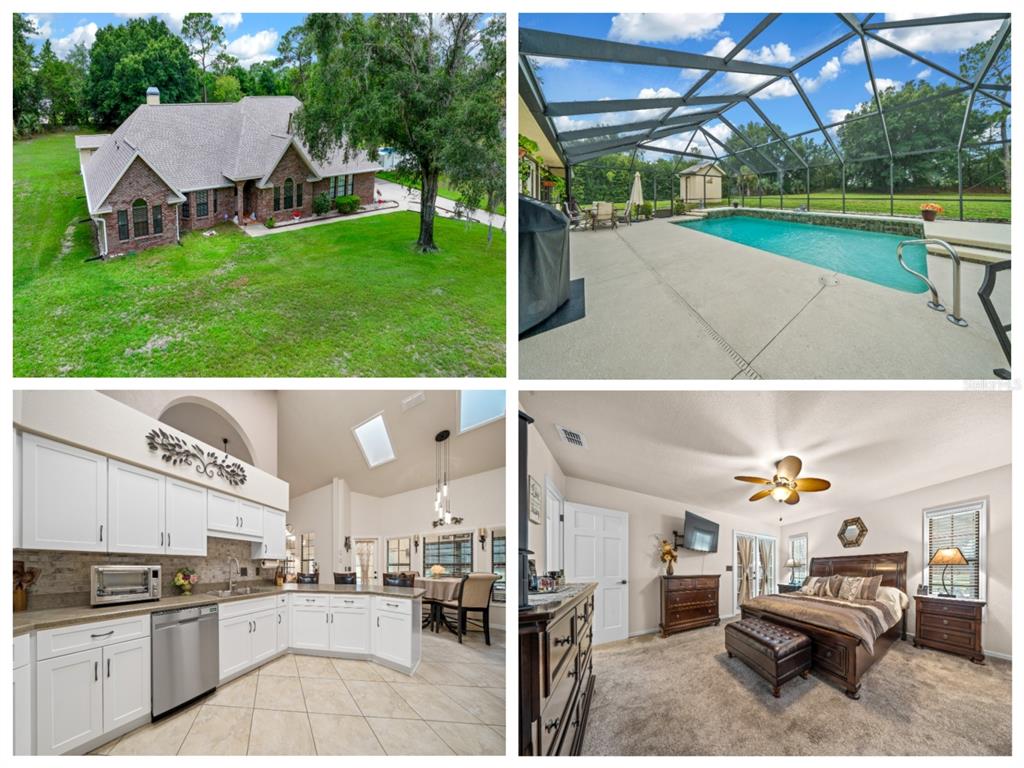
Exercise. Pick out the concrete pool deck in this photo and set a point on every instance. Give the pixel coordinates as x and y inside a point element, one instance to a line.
<point>667,302</point>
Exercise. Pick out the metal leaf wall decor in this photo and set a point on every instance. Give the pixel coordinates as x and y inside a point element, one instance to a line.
<point>175,450</point>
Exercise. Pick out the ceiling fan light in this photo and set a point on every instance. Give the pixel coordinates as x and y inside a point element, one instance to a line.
<point>780,493</point>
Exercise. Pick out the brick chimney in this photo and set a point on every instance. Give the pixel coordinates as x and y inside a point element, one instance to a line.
<point>152,95</point>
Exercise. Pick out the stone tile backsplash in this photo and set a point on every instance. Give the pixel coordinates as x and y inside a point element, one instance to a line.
<point>64,576</point>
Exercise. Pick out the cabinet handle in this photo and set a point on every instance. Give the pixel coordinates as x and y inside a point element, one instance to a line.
<point>279,618</point>
<point>378,621</point>
<point>161,538</point>
<point>101,531</point>
<point>550,725</point>
<point>563,640</point>
<point>264,549</point>
<point>95,671</point>
<point>168,539</point>
<point>391,605</point>
<point>102,634</point>
<point>571,673</point>
<point>108,667</point>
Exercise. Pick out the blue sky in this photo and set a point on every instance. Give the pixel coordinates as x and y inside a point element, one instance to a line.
<point>251,37</point>
<point>836,81</point>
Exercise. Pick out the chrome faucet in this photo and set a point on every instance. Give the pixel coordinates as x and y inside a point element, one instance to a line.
<point>231,583</point>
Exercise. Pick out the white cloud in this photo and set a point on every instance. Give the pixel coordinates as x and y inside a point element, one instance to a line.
<point>228,20</point>
<point>837,115</point>
<point>663,27</point>
<point>172,20</point>
<point>250,49</point>
<point>924,74</point>
<point>42,23</point>
<point>939,38</point>
<point>829,71</point>
<point>778,54</point>
<point>543,62</point>
<point>85,34</point>
<point>883,83</point>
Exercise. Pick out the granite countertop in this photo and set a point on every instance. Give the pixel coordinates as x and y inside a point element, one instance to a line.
<point>51,618</point>
<point>547,604</point>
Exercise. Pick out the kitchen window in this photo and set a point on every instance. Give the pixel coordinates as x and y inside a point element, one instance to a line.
<point>962,526</point>
<point>202,204</point>
<point>399,559</point>
<point>453,551</point>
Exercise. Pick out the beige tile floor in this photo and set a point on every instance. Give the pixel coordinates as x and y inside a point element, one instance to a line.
<point>309,705</point>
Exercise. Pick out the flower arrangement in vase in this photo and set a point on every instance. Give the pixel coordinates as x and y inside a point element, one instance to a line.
<point>185,579</point>
<point>668,556</point>
<point>437,570</point>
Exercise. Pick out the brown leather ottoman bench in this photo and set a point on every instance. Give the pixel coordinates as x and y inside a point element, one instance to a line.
<point>775,652</point>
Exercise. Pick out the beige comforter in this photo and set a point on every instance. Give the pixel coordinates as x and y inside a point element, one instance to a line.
<point>866,620</point>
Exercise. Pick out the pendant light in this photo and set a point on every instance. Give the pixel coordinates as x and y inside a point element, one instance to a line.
<point>442,498</point>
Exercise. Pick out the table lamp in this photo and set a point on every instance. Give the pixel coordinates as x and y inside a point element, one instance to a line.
<point>792,564</point>
<point>947,557</point>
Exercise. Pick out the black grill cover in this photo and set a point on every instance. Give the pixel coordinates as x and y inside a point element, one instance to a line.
<point>543,261</point>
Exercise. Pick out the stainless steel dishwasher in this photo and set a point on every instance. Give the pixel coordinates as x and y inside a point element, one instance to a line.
<point>185,655</point>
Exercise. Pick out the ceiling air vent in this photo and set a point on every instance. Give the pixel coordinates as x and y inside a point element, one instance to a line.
<point>571,436</point>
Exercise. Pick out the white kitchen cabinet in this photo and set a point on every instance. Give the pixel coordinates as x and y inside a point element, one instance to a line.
<point>69,701</point>
<point>126,683</point>
<point>185,510</point>
<point>232,518</point>
<point>350,625</point>
<point>235,645</point>
<point>283,624</point>
<point>252,518</point>
<point>23,695</point>
<point>135,509</point>
<point>16,487</point>
<point>63,497</point>
<point>395,631</point>
<point>274,533</point>
<point>310,628</point>
<point>264,635</point>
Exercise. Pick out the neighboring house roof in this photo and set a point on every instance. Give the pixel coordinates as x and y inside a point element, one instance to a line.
<point>702,168</point>
<point>91,140</point>
<point>202,146</point>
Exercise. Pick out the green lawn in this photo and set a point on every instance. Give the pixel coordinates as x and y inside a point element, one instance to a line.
<point>351,298</point>
<point>442,189</point>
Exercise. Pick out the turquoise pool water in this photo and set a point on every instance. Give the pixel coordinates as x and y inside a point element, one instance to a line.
<point>867,255</point>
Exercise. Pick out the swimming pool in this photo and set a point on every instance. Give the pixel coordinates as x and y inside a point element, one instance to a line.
<point>867,255</point>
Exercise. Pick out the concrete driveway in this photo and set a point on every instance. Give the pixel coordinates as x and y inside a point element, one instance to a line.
<point>409,199</point>
<point>663,301</point>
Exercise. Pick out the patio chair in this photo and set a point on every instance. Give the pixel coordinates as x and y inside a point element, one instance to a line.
<point>475,595</point>
<point>627,215</point>
<point>604,214</point>
<point>575,217</point>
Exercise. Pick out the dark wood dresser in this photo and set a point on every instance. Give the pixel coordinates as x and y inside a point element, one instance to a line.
<point>556,678</point>
<point>688,602</point>
<point>949,624</point>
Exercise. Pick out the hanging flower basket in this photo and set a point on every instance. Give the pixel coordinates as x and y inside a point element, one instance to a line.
<point>930,210</point>
<point>547,184</point>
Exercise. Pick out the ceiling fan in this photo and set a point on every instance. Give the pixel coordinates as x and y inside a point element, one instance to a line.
<point>784,485</point>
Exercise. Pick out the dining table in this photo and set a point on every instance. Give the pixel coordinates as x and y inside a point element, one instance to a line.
<point>436,591</point>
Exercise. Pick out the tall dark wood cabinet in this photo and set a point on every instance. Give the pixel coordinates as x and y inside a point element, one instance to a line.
<point>949,624</point>
<point>556,679</point>
<point>688,602</point>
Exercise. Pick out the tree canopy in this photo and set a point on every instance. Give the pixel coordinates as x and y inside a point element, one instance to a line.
<point>203,36</point>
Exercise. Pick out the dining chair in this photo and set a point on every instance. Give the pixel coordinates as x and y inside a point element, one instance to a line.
<point>348,577</point>
<point>398,579</point>
<point>308,578</point>
<point>475,595</point>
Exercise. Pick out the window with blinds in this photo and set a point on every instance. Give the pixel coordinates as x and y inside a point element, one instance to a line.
<point>798,553</point>
<point>454,551</point>
<point>960,526</point>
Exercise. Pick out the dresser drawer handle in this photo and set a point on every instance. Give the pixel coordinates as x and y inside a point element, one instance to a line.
<point>828,654</point>
<point>945,607</point>
<point>945,621</point>
<point>571,673</point>
<point>563,640</point>
<point>945,636</point>
<point>550,725</point>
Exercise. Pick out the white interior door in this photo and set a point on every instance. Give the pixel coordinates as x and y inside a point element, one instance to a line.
<point>553,560</point>
<point>597,549</point>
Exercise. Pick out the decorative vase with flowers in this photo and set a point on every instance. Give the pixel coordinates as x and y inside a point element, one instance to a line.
<point>185,579</point>
<point>668,556</point>
<point>930,210</point>
<point>437,570</point>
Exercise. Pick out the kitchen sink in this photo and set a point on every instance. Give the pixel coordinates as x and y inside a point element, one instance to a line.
<point>241,591</point>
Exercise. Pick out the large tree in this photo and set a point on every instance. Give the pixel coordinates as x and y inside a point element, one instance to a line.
<point>128,58</point>
<point>431,87</point>
<point>26,85</point>
<point>971,62</point>
<point>204,36</point>
<point>296,58</point>
<point>62,85</point>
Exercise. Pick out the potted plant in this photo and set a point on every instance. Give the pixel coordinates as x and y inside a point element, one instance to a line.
<point>735,204</point>
<point>930,210</point>
<point>185,579</point>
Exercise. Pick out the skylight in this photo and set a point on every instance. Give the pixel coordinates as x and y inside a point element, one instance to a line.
<point>374,441</point>
<point>480,406</point>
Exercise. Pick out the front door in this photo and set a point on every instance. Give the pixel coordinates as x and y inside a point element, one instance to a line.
<point>248,197</point>
<point>597,549</point>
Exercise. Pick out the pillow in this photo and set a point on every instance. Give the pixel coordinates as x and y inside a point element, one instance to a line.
<point>851,588</point>
<point>869,587</point>
<point>833,586</point>
<point>813,585</point>
<point>896,598</point>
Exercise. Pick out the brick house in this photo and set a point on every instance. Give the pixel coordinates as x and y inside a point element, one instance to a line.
<point>170,168</point>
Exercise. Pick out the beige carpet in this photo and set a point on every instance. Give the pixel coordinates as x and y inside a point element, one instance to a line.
<point>684,696</point>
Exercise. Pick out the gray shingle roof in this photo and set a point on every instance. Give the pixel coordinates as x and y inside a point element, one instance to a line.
<point>202,146</point>
<point>702,167</point>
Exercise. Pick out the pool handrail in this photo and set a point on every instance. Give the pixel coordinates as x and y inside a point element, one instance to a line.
<point>954,317</point>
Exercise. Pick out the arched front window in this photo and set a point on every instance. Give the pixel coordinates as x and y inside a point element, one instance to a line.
<point>140,218</point>
<point>288,193</point>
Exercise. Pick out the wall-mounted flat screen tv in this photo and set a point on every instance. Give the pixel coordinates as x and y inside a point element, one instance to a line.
<point>699,534</point>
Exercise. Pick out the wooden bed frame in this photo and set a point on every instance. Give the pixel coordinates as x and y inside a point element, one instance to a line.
<point>837,655</point>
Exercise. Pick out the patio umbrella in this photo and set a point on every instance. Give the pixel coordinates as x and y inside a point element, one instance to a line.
<point>636,195</point>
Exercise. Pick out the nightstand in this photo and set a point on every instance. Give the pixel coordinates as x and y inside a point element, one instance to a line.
<point>949,624</point>
<point>784,588</point>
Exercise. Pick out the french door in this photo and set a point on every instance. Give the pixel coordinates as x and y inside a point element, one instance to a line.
<point>760,569</point>
<point>597,550</point>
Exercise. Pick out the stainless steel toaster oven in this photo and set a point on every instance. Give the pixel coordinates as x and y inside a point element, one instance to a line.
<point>123,583</point>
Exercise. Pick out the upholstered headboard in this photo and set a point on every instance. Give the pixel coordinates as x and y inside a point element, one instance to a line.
<point>892,567</point>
